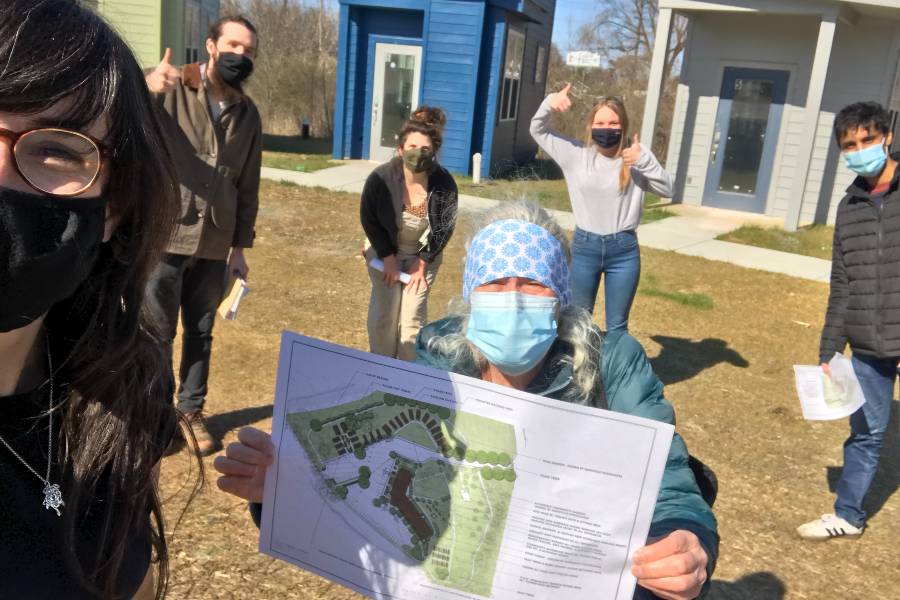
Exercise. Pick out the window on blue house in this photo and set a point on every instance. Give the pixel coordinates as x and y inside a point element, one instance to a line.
<point>512,75</point>
<point>540,63</point>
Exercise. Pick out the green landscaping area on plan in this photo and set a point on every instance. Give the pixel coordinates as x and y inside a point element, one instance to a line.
<point>433,482</point>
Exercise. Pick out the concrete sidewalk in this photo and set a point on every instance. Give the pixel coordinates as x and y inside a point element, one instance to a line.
<point>693,231</point>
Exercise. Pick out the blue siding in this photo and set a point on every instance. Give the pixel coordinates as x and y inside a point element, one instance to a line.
<point>463,44</point>
<point>340,92</point>
<point>366,25</point>
<point>453,39</point>
<point>489,85</point>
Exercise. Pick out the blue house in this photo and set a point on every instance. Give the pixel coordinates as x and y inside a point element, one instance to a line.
<point>483,61</point>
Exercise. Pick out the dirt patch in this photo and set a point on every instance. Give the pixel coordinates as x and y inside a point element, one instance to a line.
<point>727,371</point>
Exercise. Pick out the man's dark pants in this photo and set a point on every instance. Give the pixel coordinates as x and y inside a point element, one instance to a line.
<point>196,286</point>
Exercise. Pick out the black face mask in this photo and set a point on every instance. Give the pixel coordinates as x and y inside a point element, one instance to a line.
<point>606,138</point>
<point>233,68</point>
<point>48,247</point>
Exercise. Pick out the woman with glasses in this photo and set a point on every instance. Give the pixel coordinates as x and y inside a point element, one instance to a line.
<point>87,202</point>
<point>606,177</point>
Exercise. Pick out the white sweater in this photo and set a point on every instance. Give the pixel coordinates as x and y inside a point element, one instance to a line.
<point>593,179</point>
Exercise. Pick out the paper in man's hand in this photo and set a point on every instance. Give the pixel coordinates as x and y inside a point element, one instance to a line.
<point>823,397</point>
<point>228,309</point>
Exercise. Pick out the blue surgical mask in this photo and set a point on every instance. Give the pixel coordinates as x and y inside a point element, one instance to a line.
<point>513,330</point>
<point>868,161</point>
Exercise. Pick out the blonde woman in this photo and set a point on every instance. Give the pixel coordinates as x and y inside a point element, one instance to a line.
<point>606,178</point>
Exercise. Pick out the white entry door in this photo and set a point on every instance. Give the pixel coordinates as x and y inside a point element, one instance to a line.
<point>395,95</point>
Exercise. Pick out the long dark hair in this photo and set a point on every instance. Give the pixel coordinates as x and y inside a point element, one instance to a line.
<point>117,413</point>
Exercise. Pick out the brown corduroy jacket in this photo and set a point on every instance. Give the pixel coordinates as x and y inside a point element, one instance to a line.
<point>218,165</point>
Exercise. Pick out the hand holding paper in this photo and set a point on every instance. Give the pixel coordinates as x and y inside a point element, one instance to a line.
<point>831,394</point>
<point>378,265</point>
<point>229,307</point>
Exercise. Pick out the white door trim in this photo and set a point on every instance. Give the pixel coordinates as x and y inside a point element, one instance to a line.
<point>377,152</point>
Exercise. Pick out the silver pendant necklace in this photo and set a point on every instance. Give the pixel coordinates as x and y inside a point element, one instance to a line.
<point>52,494</point>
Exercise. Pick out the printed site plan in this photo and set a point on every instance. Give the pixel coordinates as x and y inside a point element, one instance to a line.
<point>404,482</point>
<point>396,463</point>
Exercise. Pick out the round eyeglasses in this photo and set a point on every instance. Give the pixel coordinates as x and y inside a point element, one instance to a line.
<point>55,161</point>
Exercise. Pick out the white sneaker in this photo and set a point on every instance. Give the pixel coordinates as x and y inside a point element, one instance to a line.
<point>828,526</point>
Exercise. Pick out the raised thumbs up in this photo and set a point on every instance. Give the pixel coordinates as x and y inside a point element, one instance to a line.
<point>632,153</point>
<point>164,77</point>
<point>560,101</point>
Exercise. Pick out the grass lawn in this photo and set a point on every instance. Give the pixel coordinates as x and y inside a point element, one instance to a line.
<point>721,338</point>
<point>297,154</point>
<point>549,193</point>
<point>306,163</point>
<point>814,240</point>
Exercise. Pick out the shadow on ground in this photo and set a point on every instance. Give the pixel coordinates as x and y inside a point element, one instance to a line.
<point>220,424</point>
<point>681,359</point>
<point>887,478</point>
<point>755,586</point>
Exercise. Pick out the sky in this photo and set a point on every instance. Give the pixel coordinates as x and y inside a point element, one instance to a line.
<point>570,15</point>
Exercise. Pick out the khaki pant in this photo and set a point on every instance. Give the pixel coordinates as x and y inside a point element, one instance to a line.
<point>395,316</point>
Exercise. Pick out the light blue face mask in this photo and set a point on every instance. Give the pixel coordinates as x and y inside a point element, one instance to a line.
<point>867,162</point>
<point>513,330</point>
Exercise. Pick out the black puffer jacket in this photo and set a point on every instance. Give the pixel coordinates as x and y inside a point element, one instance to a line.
<point>864,303</point>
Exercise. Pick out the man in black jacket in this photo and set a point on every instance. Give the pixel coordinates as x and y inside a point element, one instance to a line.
<point>864,304</point>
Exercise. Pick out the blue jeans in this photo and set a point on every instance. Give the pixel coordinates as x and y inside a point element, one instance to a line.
<point>618,257</point>
<point>867,426</point>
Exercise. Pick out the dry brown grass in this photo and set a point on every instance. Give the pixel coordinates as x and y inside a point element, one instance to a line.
<point>727,370</point>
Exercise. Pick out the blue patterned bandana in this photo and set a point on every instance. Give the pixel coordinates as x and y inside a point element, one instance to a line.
<point>512,248</point>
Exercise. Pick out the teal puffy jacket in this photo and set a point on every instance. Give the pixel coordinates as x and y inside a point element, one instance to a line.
<point>631,387</point>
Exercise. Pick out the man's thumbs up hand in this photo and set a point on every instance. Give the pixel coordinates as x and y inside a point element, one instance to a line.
<point>163,78</point>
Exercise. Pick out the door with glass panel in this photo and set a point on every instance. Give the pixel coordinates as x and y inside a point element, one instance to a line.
<point>395,94</point>
<point>746,131</point>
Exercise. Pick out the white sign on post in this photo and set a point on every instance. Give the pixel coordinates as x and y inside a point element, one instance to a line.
<point>583,58</point>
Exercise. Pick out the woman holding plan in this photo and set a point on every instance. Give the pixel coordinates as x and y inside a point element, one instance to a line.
<point>516,326</point>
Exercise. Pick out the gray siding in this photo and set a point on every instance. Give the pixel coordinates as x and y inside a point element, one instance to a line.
<point>863,62</point>
<point>717,41</point>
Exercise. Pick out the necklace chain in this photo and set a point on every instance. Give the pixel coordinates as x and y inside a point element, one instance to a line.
<point>52,494</point>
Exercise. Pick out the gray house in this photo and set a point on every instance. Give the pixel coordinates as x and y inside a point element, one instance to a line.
<point>760,85</point>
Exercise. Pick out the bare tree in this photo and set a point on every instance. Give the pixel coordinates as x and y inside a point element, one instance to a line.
<point>623,33</point>
<point>628,27</point>
<point>295,70</point>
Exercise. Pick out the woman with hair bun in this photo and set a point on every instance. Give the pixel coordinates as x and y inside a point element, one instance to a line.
<point>408,212</point>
